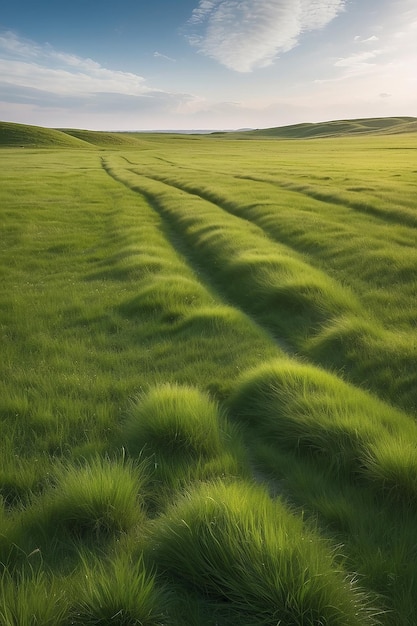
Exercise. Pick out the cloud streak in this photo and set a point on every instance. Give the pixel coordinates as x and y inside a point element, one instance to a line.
<point>248,34</point>
<point>41,80</point>
<point>159,55</point>
<point>359,63</point>
<point>27,64</point>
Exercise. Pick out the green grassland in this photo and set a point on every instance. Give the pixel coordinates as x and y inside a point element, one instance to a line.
<point>208,390</point>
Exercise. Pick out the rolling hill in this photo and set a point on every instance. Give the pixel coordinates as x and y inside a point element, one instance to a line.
<point>374,126</point>
<point>24,135</point>
<point>104,139</point>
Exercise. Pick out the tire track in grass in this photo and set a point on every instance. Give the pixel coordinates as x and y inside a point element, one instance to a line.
<point>319,487</point>
<point>336,251</point>
<point>199,269</point>
<point>330,243</point>
<point>243,263</point>
<point>346,343</point>
<point>175,293</point>
<point>404,216</point>
<point>241,210</point>
<point>307,312</point>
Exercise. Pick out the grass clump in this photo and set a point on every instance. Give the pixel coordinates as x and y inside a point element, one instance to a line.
<point>95,499</point>
<point>391,464</point>
<point>119,591</point>
<point>174,420</point>
<point>185,434</point>
<point>306,410</point>
<point>33,598</point>
<point>303,409</point>
<point>252,556</point>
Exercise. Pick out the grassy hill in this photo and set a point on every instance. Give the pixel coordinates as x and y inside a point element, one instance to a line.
<point>104,139</point>
<point>377,125</point>
<point>15,135</point>
<point>208,391</point>
<point>24,135</point>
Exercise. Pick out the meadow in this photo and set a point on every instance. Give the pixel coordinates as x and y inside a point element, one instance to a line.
<point>208,377</point>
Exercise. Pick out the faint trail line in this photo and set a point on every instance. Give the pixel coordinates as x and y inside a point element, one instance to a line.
<point>365,208</point>
<point>235,209</point>
<point>222,203</point>
<point>328,198</point>
<point>177,240</point>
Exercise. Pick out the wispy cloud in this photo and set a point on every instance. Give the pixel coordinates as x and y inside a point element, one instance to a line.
<point>359,63</point>
<point>164,57</point>
<point>392,61</point>
<point>38,78</point>
<point>370,39</point>
<point>27,64</point>
<point>251,33</point>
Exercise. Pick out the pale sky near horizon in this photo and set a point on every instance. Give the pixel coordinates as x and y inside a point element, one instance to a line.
<point>206,64</point>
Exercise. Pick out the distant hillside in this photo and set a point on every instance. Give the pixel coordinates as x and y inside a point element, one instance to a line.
<point>14,135</point>
<point>377,125</point>
<point>105,139</point>
<point>23,135</point>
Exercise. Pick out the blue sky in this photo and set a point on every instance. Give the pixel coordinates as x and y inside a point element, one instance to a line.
<point>205,64</point>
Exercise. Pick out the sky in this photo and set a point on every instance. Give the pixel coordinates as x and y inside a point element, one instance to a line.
<point>205,64</point>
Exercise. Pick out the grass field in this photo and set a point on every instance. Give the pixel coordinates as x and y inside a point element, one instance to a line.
<point>208,377</point>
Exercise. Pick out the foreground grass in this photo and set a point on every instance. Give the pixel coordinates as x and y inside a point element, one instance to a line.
<point>165,341</point>
<point>251,553</point>
<point>325,250</point>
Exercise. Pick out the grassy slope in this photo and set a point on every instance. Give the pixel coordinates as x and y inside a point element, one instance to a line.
<point>300,221</point>
<point>129,311</point>
<point>383,125</point>
<point>22,135</point>
<point>105,139</point>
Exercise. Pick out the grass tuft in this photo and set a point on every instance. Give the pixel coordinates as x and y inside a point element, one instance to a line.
<point>185,435</point>
<point>303,409</point>
<point>94,499</point>
<point>33,598</point>
<point>250,554</point>
<point>391,464</point>
<point>175,420</point>
<point>120,592</point>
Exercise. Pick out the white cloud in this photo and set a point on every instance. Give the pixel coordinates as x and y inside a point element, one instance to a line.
<point>251,33</point>
<point>158,55</point>
<point>27,64</point>
<point>370,39</point>
<point>39,84</point>
<point>358,63</point>
<point>11,44</point>
<point>392,63</point>
<point>64,82</point>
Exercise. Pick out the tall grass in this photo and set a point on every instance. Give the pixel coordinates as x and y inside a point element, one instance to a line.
<point>293,294</point>
<point>119,592</point>
<point>176,421</point>
<point>237,546</point>
<point>185,436</point>
<point>130,319</point>
<point>91,503</point>
<point>98,497</point>
<point>33,598</point>
<point>348,460</point>
<point>311,412</point>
